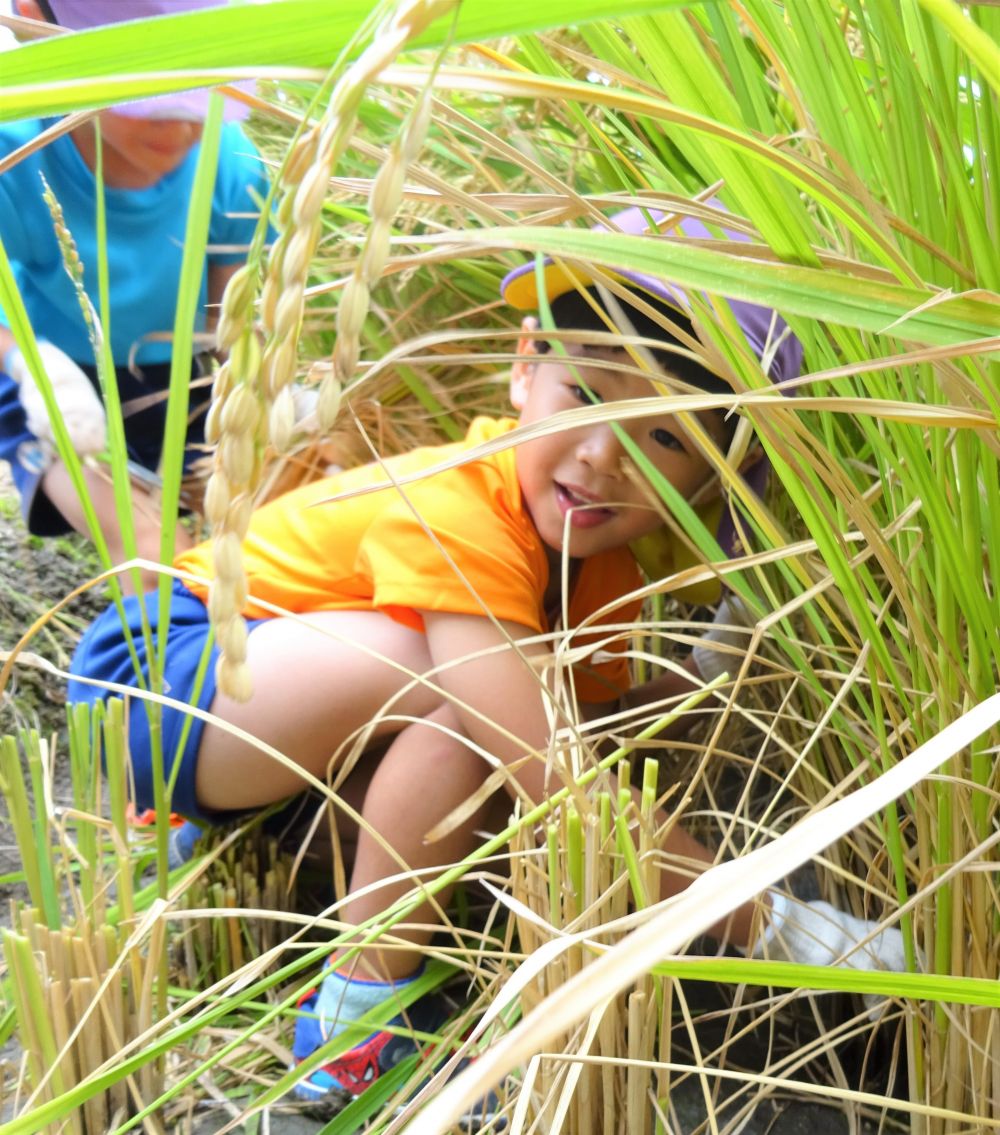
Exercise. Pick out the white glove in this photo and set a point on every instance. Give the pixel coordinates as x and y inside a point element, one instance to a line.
<point>817,934</point>
<point>82,410</point>
<point>725,632</point>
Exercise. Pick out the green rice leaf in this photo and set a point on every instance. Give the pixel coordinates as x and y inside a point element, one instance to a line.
<point>915,314</point>
<point>137,59</point>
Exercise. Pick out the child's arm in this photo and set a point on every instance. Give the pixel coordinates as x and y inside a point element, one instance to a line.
<point>504,688</point>
<point>219,276</point>
<point>499,700</point>
<point>498,696</point>
<point>720,649</point>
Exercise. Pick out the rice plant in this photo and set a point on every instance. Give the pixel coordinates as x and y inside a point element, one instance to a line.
<point>584,878</point>
<point>247,874</point>
<point>856,144</point>
<point>81,967</point>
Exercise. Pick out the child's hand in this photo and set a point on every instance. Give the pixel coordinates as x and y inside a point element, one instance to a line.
<point>82,409</point>
<point>817,934</point>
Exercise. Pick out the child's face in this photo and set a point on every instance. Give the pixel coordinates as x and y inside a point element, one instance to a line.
<point>574,482</point>
<point>138,152</point>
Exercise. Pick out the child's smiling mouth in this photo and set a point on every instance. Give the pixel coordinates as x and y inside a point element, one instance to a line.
<point>584,509</point>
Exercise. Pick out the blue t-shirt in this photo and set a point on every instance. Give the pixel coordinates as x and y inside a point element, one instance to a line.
<point>145,239</point>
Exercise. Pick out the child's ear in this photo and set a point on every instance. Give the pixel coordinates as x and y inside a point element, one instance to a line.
<point>522,372</point>
<point>28,10</point>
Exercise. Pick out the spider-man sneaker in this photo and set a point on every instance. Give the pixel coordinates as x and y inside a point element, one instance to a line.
<point>346,1076</point>
<point>331,1087</point>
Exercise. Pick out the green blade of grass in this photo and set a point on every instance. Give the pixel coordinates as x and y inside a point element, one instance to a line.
<point>913,314</point>
<point>114,63</point>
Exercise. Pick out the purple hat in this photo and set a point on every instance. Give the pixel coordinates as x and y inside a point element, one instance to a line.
<point>761,325</point>
<point>80,15</point>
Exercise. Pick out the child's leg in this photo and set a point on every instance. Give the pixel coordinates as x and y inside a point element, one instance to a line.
<point>424,775</point>
<point>49,502</point>
<point>318,681</point>
<point>146,518</point>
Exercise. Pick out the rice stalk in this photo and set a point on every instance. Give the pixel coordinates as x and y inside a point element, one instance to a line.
<point>250,874</point>
<point>591,870</point>
<point>82,982</point>
<point>248,414</point>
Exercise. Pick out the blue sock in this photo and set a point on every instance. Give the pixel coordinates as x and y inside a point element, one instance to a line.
<point>338,1003</point>
<point>180,843</point>
<point>343,1000</point>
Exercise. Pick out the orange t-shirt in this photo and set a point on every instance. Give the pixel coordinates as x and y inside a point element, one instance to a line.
<point>458,540</point>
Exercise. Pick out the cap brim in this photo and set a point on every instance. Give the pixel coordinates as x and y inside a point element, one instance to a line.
<point>187,105</point>
<point>520,286</point>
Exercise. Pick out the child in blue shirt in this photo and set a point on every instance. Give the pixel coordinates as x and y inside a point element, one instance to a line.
<point>150,153</point>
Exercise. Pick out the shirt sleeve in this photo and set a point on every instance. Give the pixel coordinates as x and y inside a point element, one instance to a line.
<point>240,186</point>
<point>452,543</point>
<point>14,204</point>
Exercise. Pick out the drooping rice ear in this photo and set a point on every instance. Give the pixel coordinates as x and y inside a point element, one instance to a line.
<point>257,410</point>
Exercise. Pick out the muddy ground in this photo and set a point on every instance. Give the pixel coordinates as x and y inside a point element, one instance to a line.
<point>36,575</point>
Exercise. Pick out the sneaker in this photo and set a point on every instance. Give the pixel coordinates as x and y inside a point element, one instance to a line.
<point>328,1089</point>
<point>182,837</point>
<point>180,843</point>
<point>147,817</point>
<point>350,1073</point>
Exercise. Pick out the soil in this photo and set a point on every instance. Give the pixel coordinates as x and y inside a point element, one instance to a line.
<point>35,575</point>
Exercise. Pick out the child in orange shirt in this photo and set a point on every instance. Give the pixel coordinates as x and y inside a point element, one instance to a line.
<point>422,610</point>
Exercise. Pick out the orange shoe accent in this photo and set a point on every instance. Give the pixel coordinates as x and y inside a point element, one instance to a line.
<point>147,817</point>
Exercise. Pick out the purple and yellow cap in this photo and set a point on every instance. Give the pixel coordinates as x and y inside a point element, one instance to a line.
<point>82,15</point>
<point>761,325</point>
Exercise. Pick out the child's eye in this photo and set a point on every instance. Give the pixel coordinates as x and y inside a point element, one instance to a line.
<point>583,395</point>
<point>666,439</point>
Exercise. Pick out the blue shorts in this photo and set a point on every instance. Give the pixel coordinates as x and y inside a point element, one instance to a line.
<point>144,426</point>
<point>103,654</point>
